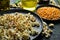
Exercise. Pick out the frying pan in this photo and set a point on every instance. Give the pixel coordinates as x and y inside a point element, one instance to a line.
<point>39,29</point>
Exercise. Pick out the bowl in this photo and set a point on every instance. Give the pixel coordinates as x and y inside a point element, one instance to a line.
<point>45,5</point>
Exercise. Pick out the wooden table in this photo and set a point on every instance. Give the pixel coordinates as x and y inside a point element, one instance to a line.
<point>56,32</point>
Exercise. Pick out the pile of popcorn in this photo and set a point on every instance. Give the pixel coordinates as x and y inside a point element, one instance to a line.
<point>47,31</point>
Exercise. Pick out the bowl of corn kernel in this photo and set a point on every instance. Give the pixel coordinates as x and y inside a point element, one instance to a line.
<point>48,12</point>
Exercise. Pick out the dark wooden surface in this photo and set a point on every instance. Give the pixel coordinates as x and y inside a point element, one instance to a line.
<point>56,32</point>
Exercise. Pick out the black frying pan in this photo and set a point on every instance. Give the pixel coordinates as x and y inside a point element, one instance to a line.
<point>39,29</point>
